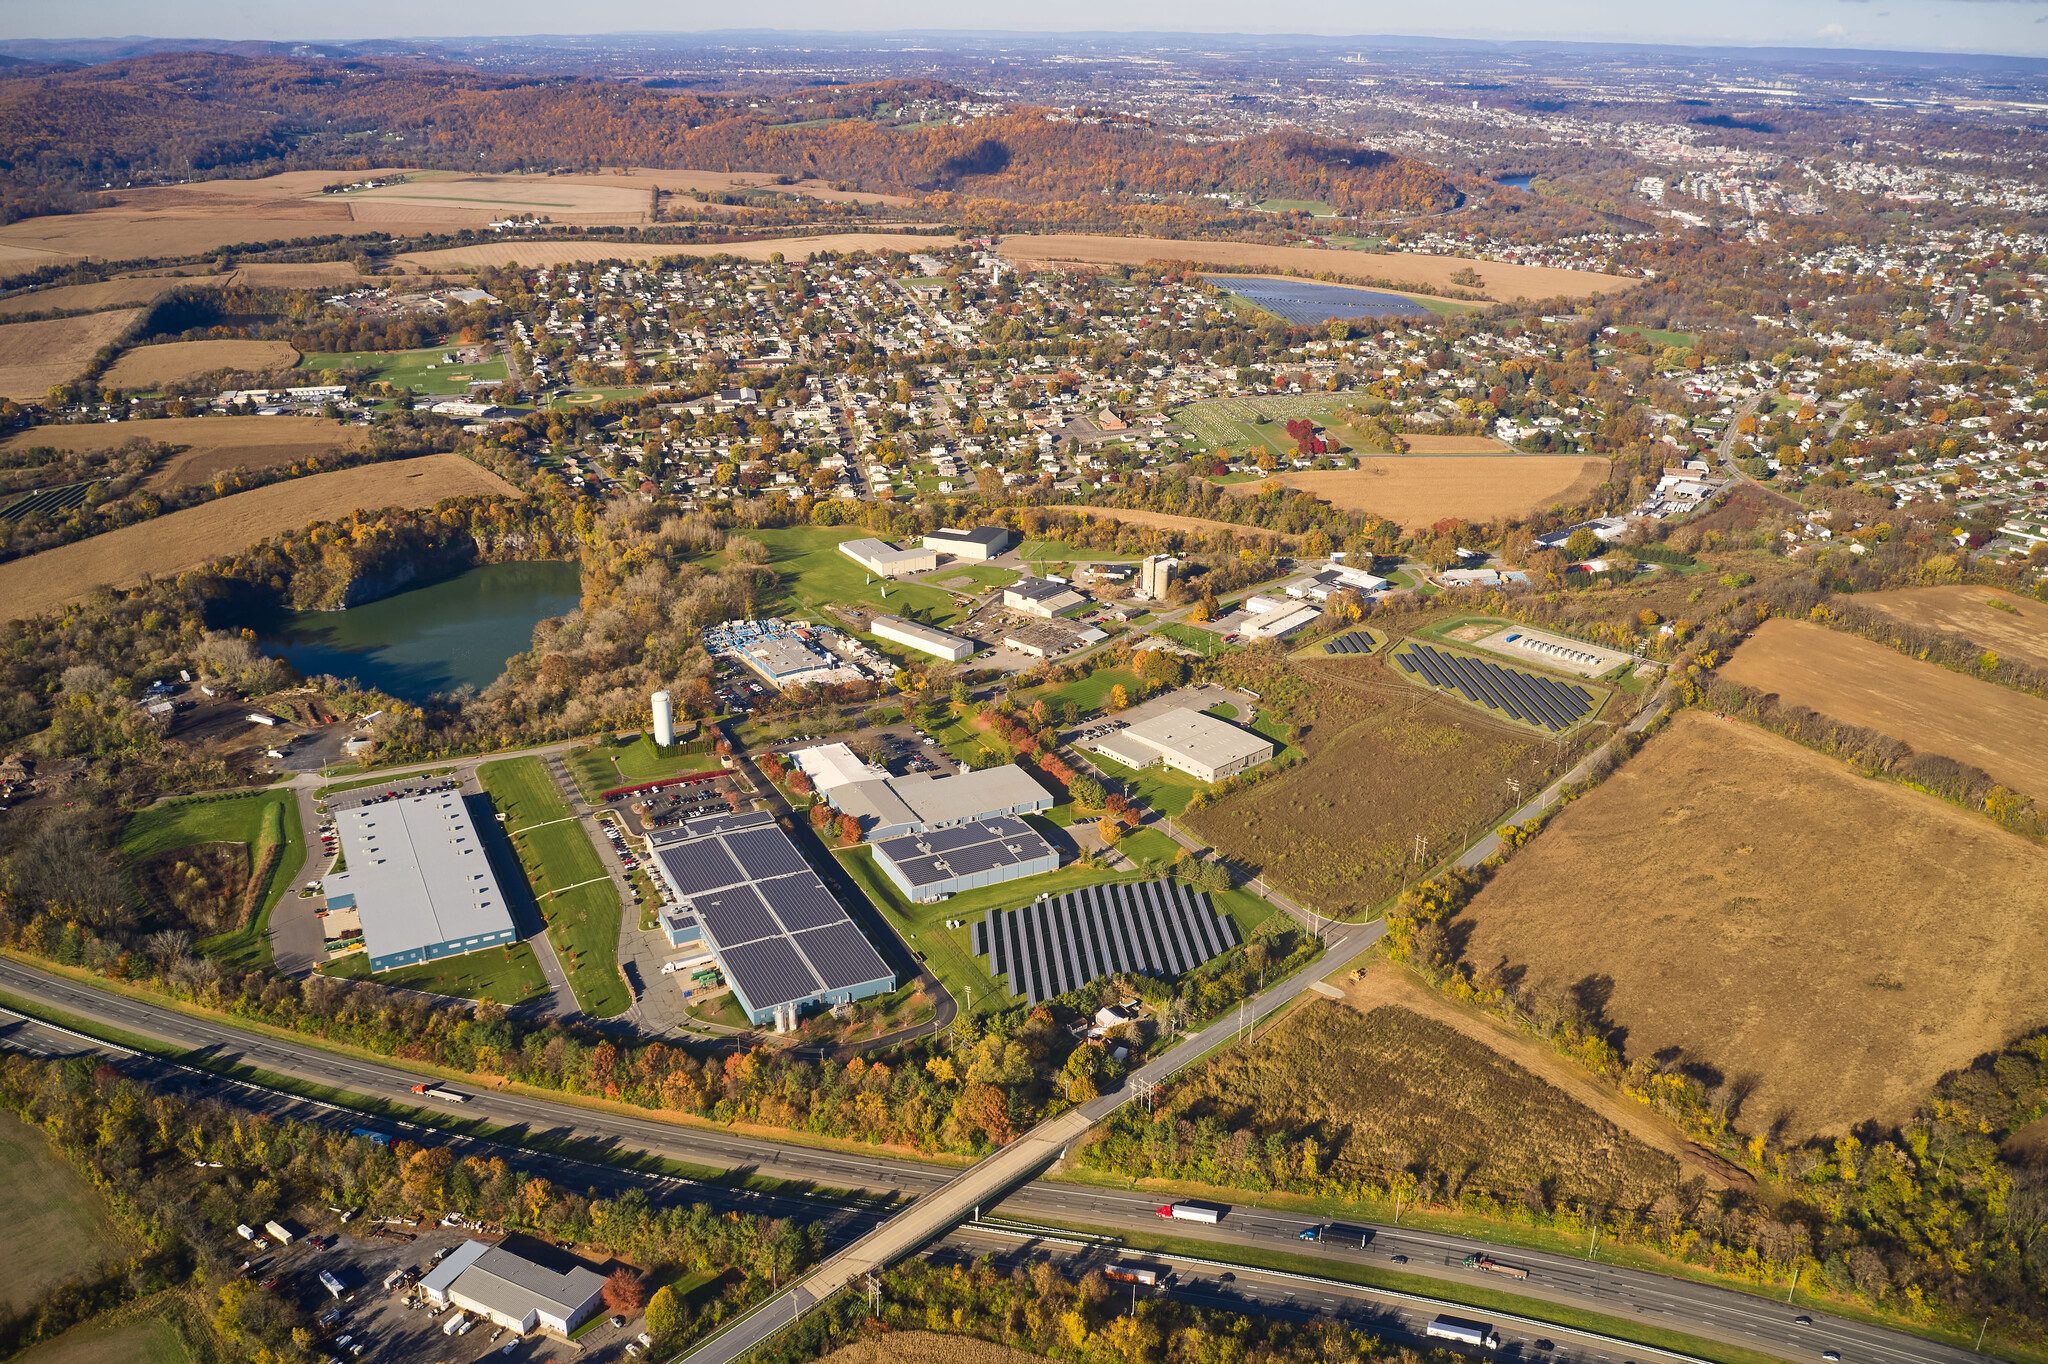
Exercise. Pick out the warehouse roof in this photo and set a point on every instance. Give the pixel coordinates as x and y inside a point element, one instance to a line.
<point>965,850</point>
<point>779,933</point>
<point>992,791</point>
<point>872,551</point>
<point>980,535</point>
<point>418,874</point>
<point>511,1285</point>
<point>937,638</point>
<point>830,766</point>
<point>1202,738</point>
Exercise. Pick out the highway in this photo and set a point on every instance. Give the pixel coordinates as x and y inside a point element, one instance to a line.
<point>945,1194</point>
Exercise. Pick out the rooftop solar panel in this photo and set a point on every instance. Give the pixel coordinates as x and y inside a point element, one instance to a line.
<point>841,957</point>
<point>765,853</point>
<point>699,866</point>
<point>801,902</point>
<point>769,972</point>
<point>735,915</point>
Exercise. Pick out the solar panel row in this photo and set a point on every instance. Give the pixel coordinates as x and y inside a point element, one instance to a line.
<point>1054,946</point>
<point>1554,705</point>
<point>1356,642</point>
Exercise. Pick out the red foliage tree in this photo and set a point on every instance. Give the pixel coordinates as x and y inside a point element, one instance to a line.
<point>625,1291</point>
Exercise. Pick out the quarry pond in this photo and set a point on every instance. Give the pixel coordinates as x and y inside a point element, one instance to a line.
<point>425,640</point>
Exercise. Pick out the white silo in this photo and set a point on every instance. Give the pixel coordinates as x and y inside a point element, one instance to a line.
<point>664,720</point>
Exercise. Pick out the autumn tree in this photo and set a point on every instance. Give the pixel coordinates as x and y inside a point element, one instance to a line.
<point>625,1291</point>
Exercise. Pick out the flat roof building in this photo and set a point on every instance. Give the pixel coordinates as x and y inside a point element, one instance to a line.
<point>885,559</point>
<point>419,880</point>
<point>782,940</point>
<point>923,638</point>
<point>986,852</point>
<point>977,542</point>
<point>892,806</point>
<point>830,766</point>
<point>1187,741</point>
<point>1042,597</point>
<point>513,1291</point>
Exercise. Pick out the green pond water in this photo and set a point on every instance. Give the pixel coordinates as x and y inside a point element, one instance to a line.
<point>426,640</point>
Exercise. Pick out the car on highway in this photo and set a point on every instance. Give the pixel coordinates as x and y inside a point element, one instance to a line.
<point>1832,1356</point>
<point>1400,1259</point>
<point>1802,1321</point>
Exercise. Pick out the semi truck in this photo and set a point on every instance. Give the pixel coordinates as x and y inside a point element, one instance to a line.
<point>1140,1274</point>
<point>1191,1212</point>
<point>1489,1265</point>
<point>434,1091</point>
<point>1464,1332</point>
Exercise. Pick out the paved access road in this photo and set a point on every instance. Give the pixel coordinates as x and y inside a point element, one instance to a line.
<point>947,1195</point>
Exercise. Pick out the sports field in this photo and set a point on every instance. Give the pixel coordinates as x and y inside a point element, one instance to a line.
<point>1416,490</point>
<point>183,540</point>
<point>1830,944</point>
<point>1995,728</point>
<point>429,371</point>
<point>575,893</point>
<point>55,1224</point>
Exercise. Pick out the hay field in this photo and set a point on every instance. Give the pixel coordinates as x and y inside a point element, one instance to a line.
<point>1847,678</point>
<point>1419,444</point>
<point>1385,1089</point>
<point>109,293</point>
<point>928,1347</point>
<point>430,199</point>
<point>1836,942</point>
<point>529,254</point>
<point>1197,525</point>
<point>185,540</point>
<point>147,367</point>
<point>213,444</point>
<point>55,1225</point>
<point>1498,282</point>
<point>35,356</point>
<point>2017,626</point>
<point>1415,490</point>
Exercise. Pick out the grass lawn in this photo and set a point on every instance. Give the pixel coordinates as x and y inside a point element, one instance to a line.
<point>722,1008</point>
<point>584,399</point>
<point>965,742</point>
<point>960,577</point>
<point>408,779</point>
<point>575,893</point>
<point>1141,845</point>
<point>1683,340</point>
<point>419,370</point>
<point>1058,551</point>
<point>1090,693</point>
<point>1158,785</point>
<point>508,974</point>
<point>261,819</point>
<point>56,1225</point>
<point>121,1337</point>
<point>815,576</point>
<point>1207,643</point>
<point>603,765</point>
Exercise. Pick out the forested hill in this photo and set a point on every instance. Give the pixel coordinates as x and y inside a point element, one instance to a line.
<point>211,114</point>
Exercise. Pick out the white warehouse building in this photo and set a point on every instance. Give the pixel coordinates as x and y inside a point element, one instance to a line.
<point>923,638</point>
<point>512,1291</point>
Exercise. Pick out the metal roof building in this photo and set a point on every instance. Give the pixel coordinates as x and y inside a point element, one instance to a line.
<point>877,556</point>
<point>923,638</point>
<point>513,1291</point>
<point>780,937</point>
<point>419,879</point>
<point>1042,597</point>
<point>975,542</point>
<point>889,807</point>
<point>965,857</point>
<point>1187,741</point>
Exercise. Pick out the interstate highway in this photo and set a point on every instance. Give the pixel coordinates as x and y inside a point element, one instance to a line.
<point>1676,1304</point>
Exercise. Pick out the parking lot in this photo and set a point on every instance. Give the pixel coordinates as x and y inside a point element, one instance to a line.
<point>660,807</point>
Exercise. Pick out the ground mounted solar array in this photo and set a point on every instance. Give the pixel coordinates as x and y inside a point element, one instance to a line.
<point>1541,701</point>
<point>1355,642</point>
<point>779,933</point>
<point>1309,303</point>
<point>1060,943</point>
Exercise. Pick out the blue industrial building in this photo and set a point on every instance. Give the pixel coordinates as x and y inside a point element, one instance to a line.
<point>986,852</point>
<point>419,880</point>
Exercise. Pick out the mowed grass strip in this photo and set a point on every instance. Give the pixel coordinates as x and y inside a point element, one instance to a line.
<point>570,884</point>
<point>509,974</point>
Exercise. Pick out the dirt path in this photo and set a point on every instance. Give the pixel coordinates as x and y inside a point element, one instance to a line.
<point>1380,982</point>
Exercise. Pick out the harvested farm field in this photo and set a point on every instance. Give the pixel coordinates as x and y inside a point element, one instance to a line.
<point>213,445</point>
<point>1388,763</point>
<point>1422,444</point>
<point>1163,521</point>
<point>1845,677</point>
<point>148,367</point>
<point>1382,1089</point>
<point>57,1226</point>
<point>529,254</point>
<point>86,298</point>
<point>1418,489</point>
<point>1997,620</point>
<point>187,539</point>
<point>1497,281</point>
<point>1828,944</point>
<point>928,1347</point>
<point>37,356</point>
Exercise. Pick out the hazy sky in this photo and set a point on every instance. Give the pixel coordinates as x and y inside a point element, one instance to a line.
<point>2018,27</point>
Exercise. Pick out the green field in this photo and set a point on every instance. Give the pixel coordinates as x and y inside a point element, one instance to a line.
<point>1090,693</point>
<point>56,1225</point>
<point>132,1339</point>
<point>1158,785</point>
<point>1682,340</point>
<point>261,819</point>
<point>601,766</point>
<point>1207,643</point>
<point>974,747</point>
<point>1315,206</point>
<point>1444,307</point>
<point>1142,845</point>
<point>1058,551</point>
<point>584,399</point>
<point>575,894</point>
<point>816,576</point>
<point>419,370</point>
<point>508,974</point>
<point>971,577</point>
<point>1234,423</point>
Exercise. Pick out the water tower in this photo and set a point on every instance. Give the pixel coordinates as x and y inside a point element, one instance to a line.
<point>664,721</point>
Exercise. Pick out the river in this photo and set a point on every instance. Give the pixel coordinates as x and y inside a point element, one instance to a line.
<point>448,634</point>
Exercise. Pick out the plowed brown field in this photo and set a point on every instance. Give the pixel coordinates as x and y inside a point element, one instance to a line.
<point>215,444</point>
<point>36,356</point>
<point>1416,490</point>
<point>1831,943</point>
<point>1497,281</point>
<point>185,540</point>
<point>150,366</point>
<point>2018,626</point>
<point>1996,728</point>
